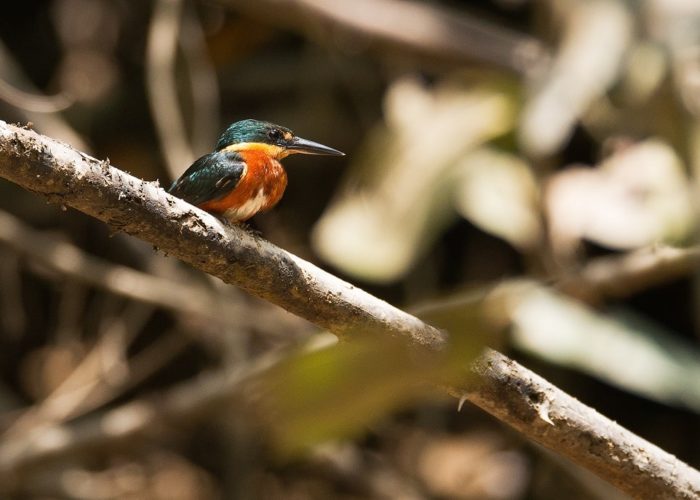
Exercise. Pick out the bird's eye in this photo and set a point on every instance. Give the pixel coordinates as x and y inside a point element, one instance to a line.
<point>275,134</point>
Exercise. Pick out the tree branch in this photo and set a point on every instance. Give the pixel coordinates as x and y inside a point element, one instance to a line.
<point>524,400</point>
<point>507,390</point>
<point>142,209</point>
<point>180,297</point>
<point>418,29</point>
<point>162,86</point>
<point>184,403</point>
<point>618,276</point>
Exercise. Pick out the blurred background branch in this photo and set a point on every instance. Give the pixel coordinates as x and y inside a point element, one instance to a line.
<point>13,77</point>
<point>430,32</point>
<point>70,262</point>
<point>623,275</point>
<point>163,85</point>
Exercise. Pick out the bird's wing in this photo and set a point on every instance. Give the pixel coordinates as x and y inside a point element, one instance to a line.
<point>210,177</point>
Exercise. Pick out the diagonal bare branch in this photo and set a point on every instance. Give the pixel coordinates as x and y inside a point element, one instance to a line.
<point>70,178</point>
<point>507,390</point>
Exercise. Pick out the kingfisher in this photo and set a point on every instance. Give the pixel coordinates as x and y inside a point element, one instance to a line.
<point>244,175</point>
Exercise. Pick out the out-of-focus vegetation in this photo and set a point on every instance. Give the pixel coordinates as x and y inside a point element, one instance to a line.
<point>494,149</point>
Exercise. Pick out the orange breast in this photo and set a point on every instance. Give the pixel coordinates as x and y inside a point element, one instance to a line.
<point>260,189</point>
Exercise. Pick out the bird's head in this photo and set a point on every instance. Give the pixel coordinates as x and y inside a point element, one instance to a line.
<point>274,140</point>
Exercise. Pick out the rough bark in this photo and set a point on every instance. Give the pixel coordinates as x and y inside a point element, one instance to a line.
<point>142,209</point>
<point>524,400</point>
<point>507,390</point>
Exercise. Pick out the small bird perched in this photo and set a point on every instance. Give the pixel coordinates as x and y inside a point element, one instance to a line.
<point>244,176</point>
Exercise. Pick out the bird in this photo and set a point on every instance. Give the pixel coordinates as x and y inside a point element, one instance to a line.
<point>244,175</point>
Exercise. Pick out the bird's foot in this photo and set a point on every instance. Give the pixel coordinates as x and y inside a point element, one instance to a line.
<point>248,228</point>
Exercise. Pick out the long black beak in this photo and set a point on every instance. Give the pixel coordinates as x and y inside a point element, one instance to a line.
<point>304,146</point>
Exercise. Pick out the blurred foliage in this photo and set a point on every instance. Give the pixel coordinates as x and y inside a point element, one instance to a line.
<point>338,391</point>
<point>401,203</point>
<point>493,147</point>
